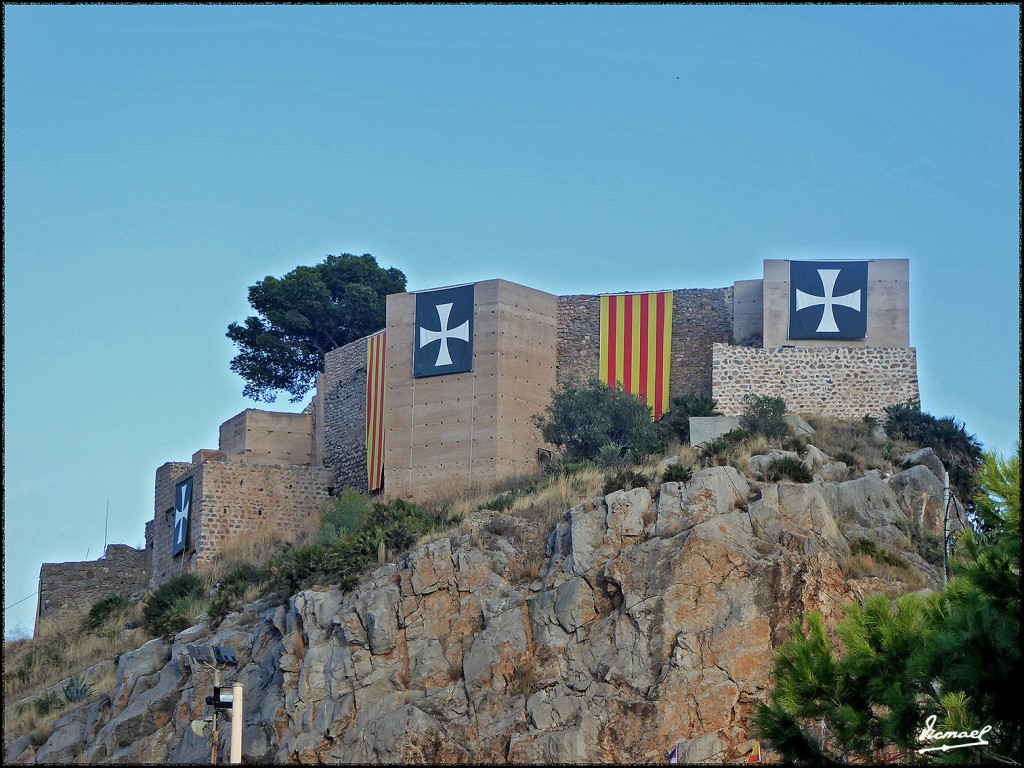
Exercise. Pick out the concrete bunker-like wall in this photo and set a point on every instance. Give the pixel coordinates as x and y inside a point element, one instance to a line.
<point>267,437</point>
<point>72,586</point>
<point>888,303</point>
<point>469,429</point>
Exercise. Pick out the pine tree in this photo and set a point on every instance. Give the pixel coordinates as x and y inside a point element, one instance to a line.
<point>954,655</point>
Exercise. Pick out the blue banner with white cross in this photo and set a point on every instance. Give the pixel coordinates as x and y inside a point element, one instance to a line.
<point>828,299</point>
<point>444,332</point>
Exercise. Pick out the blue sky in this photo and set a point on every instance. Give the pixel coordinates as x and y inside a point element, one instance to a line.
<point>159,160</point>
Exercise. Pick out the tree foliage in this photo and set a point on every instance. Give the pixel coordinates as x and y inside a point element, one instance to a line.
<point>676,423</point>
<point>583,420</point>
<point>954,655</point>
<point>959,451</point>
<point>764,415</point>
<point>303,316</point>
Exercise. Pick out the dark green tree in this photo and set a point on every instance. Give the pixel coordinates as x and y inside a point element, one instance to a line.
<point>954,655</point>
<point>764,415</point>
<point>303,316</point>
<point>676,423</point>
<point>959,451</point>
<point>582,420</point>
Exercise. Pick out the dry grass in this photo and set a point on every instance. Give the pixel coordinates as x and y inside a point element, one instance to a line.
<point>862,566</point>
<point>62,648</point>
<point>254,547</point>
<point>853,443</point>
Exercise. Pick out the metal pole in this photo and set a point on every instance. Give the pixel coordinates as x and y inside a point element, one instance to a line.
<point>236,724</point>
<point>216,736</point>
<point>945,523</point>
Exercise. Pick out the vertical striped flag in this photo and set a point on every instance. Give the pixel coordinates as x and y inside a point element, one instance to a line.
<point>375,347</point>
<point>636,345</point>
<point>755,756</point>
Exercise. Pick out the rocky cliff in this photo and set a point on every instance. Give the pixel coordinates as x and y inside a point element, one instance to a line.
<point>650,623</point>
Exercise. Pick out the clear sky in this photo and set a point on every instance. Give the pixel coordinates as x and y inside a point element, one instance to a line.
<point>158,160</point>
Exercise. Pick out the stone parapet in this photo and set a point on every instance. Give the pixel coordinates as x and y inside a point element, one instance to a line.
<point>71,586</point>
<point>845,382</point>
<point>343,432</point>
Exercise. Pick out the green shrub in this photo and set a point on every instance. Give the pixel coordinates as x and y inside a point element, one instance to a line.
<point>847,458</point>
<point>795,443</point>
<point>625,479</point>
<point>392,526</point>
<point>676,423</point>
<point>47,703</point>
<point>787,468</point>
<point>720,447</point>
<point>764,415</point>
<point>105,607</point>
<point>867,547</point>
<point>348,512</point>
<point>581,420</point>
<point>171,603</point>
<point>959,451</point>
<point>677,473</point>
<point>610,455</point>
<point>77,689</point>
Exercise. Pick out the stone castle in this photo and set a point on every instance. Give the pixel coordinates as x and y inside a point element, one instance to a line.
<point>444,397</point>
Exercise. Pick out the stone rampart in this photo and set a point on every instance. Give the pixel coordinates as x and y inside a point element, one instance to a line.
<point>701,317</point>
<point>70,586</point>
<point>229,498</point>
<point>845,382</point>
<point>235,497</point>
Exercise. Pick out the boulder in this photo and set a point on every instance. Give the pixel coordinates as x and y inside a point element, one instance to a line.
<point>927,458</point>
<point>709,492</point>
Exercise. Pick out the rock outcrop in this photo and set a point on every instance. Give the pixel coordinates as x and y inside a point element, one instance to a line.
<point>651,624</point>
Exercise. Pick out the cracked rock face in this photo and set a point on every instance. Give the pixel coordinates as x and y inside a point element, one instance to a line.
<point>654,625</point>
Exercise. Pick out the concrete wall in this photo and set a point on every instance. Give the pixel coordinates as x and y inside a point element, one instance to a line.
<point>229,498</point>
<point>888,306</point>
<point>846,382</point>
<point>748,312</point>
<point>73,586</point>
<point>469,429</point>
<point>268,437</point>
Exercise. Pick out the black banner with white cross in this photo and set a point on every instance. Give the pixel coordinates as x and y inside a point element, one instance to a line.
<point>444,332</point>
<point>182,502</point>
<point>828,299</point>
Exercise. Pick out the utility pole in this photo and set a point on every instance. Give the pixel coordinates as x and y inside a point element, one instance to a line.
<point>945,523</point>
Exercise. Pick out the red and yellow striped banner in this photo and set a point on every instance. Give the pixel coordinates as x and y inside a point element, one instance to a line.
<point>375,349</point>
<point>636,345</point>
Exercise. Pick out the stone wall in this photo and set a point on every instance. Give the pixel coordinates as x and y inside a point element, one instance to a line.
<point>158,544</point>
<point>228,498</point>
<point>700,317</point>
<point>70,586</point>
<point>342,394</point>
<point>845,382</point>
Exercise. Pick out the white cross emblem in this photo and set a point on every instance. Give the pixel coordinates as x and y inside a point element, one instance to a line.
<point>428,336</point>
<point>828,282</point>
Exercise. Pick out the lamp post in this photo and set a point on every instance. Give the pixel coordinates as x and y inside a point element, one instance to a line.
<point>215,657</point>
